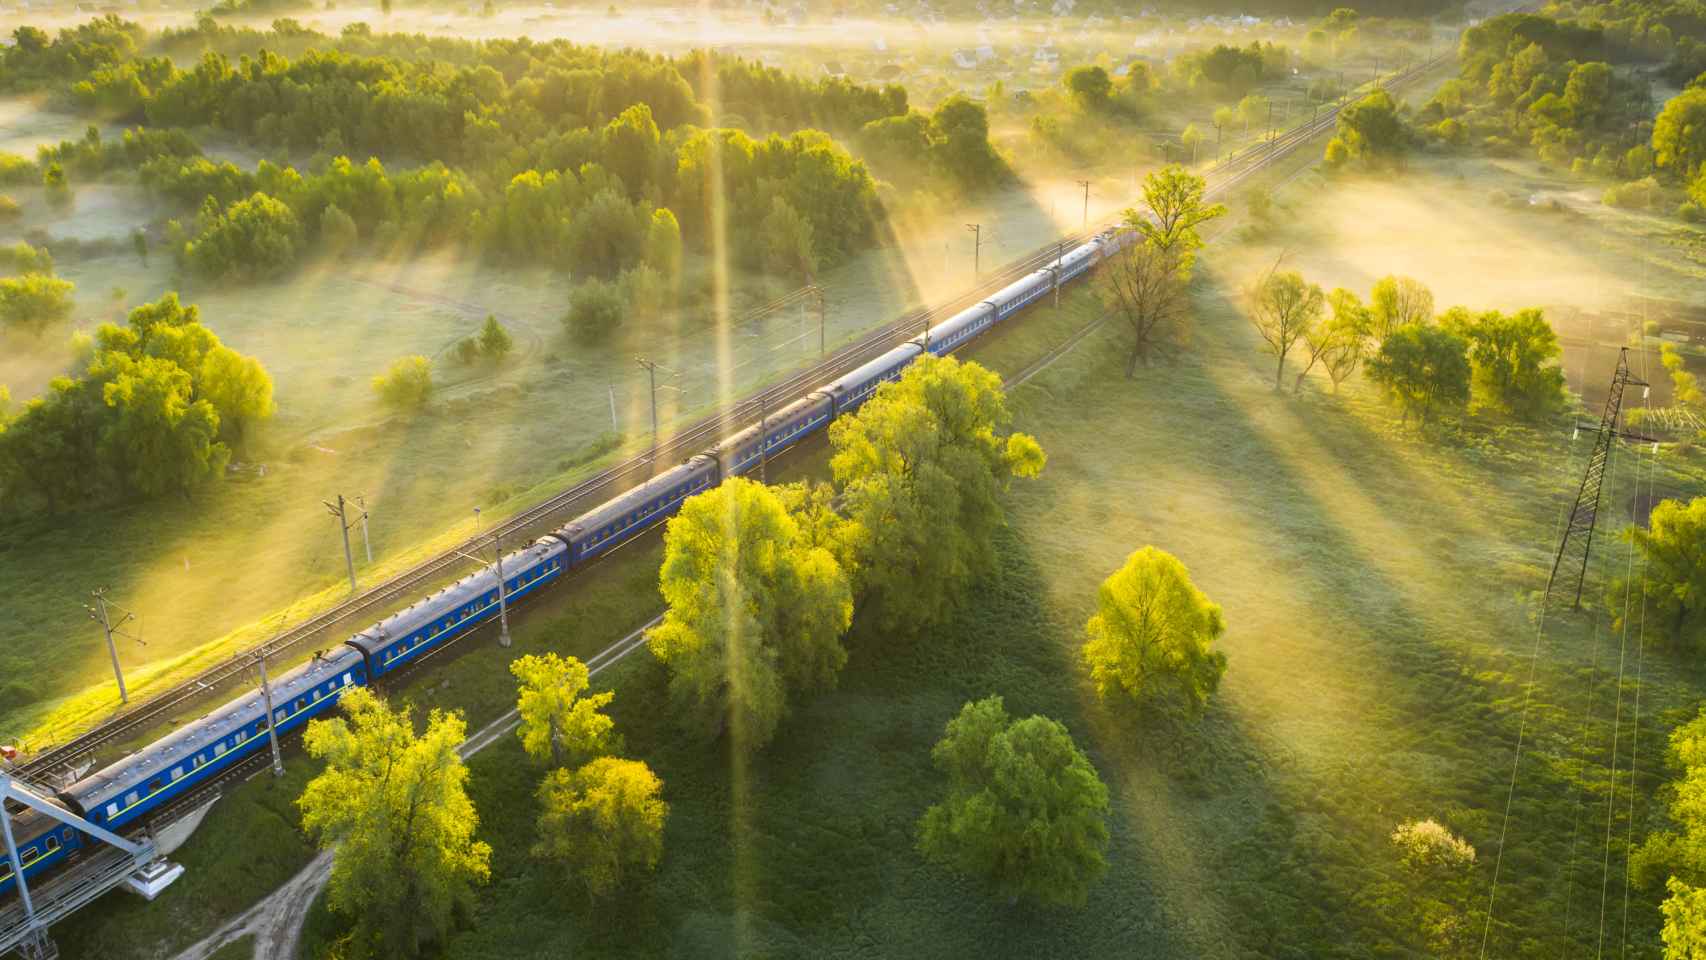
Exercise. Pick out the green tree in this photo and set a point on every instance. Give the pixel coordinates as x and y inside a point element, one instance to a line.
<point>1372,131</point>
<point>1172,211</point>
<point>604,822</point>
<point>338,231</point>
<point>396,806</point>
<point>1422,368</point>
<point>1152,634</point>
<point>1285,309</point>
<point>787,239</point>
<point>1396,302</point>
<point>253,239</point>
<point>663,244</point>
<point>139,243</point>
<point>33,302</point>
<point>1679,134</point>
<point>560,722</point>
<point>1141,285</point>
<point>58,187</point>
<point>920,468</point>
<point>160,438</point>
<point>1090,86</point>
<point>1025,810</point>
<point>406,384</point>
<point>1339,343</point>
<point>1513,359</point>
<point>596,310</point>
<point>755,610</point>
<point>239,388</point>
<point>495,341</point>
<point>21,257</point>
<point>960,144</point>
<point>9,209</point>
<point>1438,868</point>
<point>631,148</point>
<point>1673,575</point>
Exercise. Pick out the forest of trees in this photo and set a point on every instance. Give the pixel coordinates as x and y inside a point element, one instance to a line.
<point>546,153</point>
<point>159,408</point>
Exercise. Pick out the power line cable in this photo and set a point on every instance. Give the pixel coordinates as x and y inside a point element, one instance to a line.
<point>1522,727</point>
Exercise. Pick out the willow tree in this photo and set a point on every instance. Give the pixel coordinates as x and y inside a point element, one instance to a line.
<point>1151,638</point>
<point>603,822</point>
<point>559,722</point>
<point>1025,809</point>
<point>396,806</point>
<point>920,468</point>
<point>756,609</point>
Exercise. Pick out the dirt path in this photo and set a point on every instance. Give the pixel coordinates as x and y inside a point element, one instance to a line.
<point>276,922</point>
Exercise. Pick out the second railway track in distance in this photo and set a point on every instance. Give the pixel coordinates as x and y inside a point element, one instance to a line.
<point>1237,168</point>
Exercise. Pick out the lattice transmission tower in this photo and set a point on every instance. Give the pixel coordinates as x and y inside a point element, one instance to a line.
<point>1573,549</point>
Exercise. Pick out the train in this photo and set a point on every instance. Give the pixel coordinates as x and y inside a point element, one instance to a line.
<point>121,796</point>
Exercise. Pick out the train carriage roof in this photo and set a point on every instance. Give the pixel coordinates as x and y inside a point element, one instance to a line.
<point>893,359</point>
<point>95,789</point>
<point>437,604</point>
<point>644,493</point>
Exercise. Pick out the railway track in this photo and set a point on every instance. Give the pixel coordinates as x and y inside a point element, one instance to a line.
<point>359,611</point>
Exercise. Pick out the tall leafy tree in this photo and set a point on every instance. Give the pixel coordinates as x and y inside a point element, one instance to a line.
<point>921,467</point>
<point>1679,134</point>
<point>755,611</point>
<point>560,721</point>
<point>1025,810</point>
<point>1397,301</point>
<point>1423,369</point>
<point>1173,209</point>
<point>1284,309</point>
<point>1513,358</point>
<point>239,388</point>
<point>396,806</point>
<point>604,822</point>
<point>1151,638</point>
<point>1673,576</point>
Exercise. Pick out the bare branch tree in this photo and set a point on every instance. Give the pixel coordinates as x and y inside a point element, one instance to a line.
<point>1142,286</point>
<point>1284,308</point>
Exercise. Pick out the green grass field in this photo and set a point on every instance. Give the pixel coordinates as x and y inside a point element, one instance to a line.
<point>1377,586</point>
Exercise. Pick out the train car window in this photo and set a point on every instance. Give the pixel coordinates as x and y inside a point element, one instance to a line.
<point>6,872</point>
<point>52,844</point>
<point>156,784</point>
<point>301,702</point>
<point>28,855</point>
<point>131,798</point>
<point>177,772</point>
<point>219,749</point>
<point>242,735</point>
<point>112,810</point>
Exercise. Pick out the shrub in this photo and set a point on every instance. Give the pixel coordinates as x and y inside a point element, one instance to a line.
<point>9,207</point>
<point>596,310</point>
<point>1642,194</point>
<point>406,384</point>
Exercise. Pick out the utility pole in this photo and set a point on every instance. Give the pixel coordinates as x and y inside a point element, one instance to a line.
<point>1270,120</point>
<point>1086,185</point>
<point>1059,256</point>
<point>503,591</point>
<point>272,718</point>
<point>99,614</point>
<point>651,369</point>
<point>361,501</point>
<point>763,438</point>
<point>976,250</point>
<point>343,528</point>
<point>822,320</point>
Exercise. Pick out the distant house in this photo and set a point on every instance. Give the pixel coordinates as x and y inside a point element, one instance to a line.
<point>965,59</point>
<point>830,67</point>
<point>984,53</point>
<point>1063,8</point>
<point>889,71</point>
<point>880,45</point>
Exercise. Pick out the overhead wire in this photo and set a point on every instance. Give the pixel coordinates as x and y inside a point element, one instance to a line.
<point>1640,633</point>
<point>1522,723</point>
